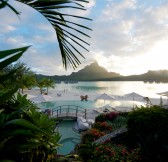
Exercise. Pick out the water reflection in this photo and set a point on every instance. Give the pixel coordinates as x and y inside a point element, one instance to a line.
<point>92,104</point>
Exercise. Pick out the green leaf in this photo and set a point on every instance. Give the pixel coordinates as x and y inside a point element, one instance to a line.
<point>6,53</point>
<point>7,76</point>
<point>10,60</point>
<point>6,160</point>
<point>25,124</point>
<point>16,132</point>
<point>5,96</point>
<point>2,4</point>
<point>51,10</point>
<point>13,9</point>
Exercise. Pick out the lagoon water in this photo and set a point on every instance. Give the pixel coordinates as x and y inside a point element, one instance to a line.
<point>93,89</point>
<point>115,87</point>
<point>70,138</point>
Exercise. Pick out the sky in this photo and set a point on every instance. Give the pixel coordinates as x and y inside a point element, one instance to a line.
<point>128,37</point>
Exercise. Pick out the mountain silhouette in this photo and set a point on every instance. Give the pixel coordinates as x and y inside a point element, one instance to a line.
<point>94,72</point>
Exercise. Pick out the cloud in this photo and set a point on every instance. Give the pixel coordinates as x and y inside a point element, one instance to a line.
<point>88,6</point>
<point>6,28</point>
<point>117,10</point>
<point>126,34</point>
<point>123,34</point>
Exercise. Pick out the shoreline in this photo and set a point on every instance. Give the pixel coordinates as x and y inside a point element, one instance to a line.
<point>69,95</point>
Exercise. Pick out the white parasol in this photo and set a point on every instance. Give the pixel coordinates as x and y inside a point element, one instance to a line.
<point>133,96</point>
<point>42,98</point>
<point>164,94</point>
<point>104,97</point>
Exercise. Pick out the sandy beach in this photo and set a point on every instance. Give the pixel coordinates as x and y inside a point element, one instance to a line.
<point>69,95</point>
<point>55,95</point>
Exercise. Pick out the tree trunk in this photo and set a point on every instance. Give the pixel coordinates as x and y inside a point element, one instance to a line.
<point>47,90</point>
<point>41,91</point>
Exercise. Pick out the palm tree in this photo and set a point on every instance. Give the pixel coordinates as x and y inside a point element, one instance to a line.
<point>45,83</point>
<point>41,84</point>
<point>20,123</point>
<point>23,77</point>
<point>49,83</point>
<point>26,135</point>
<point>67,31</point>
<point>27,81</point>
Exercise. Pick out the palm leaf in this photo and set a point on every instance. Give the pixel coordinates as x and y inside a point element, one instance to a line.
<point>25,124</point>
<point>16,132</point>
<point>13,55</point>
<point>4,4</point>
<point>7,76</point>
<point>5,96</point>
<point>7,160</point>
<point>6,53</point>
<point>50,9</point>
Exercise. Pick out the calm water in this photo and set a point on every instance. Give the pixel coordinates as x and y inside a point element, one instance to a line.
<point>69,138</point>
<point>114,88</point>
<point>111,88</point>
<point>91,104</point>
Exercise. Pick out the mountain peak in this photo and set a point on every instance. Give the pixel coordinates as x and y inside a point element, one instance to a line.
<point>94,68</point>
<point>95,63</point>
<point>93,72</point>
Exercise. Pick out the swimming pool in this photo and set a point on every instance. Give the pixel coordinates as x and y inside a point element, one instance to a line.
<point>69,138</point>
<point>90,104</point>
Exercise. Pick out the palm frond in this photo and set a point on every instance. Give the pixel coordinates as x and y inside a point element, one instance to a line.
<point>64,27</point>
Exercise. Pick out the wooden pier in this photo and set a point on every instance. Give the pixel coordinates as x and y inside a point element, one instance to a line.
<point>68,111</point>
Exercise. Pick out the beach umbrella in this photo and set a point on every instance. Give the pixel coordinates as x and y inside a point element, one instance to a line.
<point>104,97</point>
<point>133,96</point>
<point>164,94</point>
<point>42,98</point>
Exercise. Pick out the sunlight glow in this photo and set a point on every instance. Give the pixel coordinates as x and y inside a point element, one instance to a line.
<point>154,59</point>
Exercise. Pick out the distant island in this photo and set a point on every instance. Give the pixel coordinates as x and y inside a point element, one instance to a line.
<point>94,72</point>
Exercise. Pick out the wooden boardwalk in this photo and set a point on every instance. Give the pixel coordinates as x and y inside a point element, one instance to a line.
<point>68,111</point>
<point>110,135</point>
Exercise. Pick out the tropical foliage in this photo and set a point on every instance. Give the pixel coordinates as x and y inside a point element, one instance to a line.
<point>102,126</point>
<point>107,116</point>
<point>114,153</point>
<point>92,135</point>
<point>45,83</point>
<point>23,77</point>
<point>8,57</point>
<point>112,150</point>
<point>149,128</point>
<point>26,134</point>
<point>69,34</point>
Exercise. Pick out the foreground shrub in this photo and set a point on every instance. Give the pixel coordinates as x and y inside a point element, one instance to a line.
<point>91,135</point>
<point>104,126</point>
<point>119,122</point>
<point>105,117</point>
<point>100,118</point>
<point>85,151</point>
<point>26,134</point>
<point>149,127</point>
<point>108,152</point>
<point>115,153</point>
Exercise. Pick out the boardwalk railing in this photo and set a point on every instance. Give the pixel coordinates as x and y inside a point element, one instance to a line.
<point>68,111</point>
<point>110,135</point>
